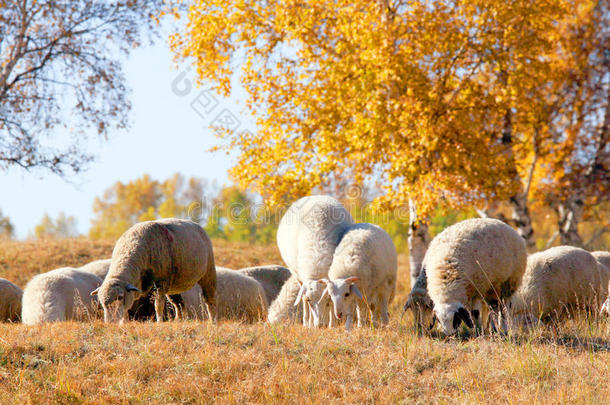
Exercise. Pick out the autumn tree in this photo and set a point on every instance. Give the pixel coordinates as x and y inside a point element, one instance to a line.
<point>61,76</point>
<point>439,103</point>
<point>144,199</point>
<point>6,227</point>
<point>64,226</point>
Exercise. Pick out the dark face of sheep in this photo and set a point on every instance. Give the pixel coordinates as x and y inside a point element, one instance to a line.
<point>116,298</point>
<point>343,292</point>
<point>451,316</point>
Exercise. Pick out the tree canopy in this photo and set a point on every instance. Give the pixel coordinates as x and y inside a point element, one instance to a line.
<point>61,76</point>
<point>453,103</point>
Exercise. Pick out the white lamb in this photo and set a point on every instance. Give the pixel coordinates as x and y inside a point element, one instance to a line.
<point>307,237</point>
<point>60,295</point>
<point>471,264</point>
<point>10,301</point>
<point>558,282</point>
<point>362,276</point>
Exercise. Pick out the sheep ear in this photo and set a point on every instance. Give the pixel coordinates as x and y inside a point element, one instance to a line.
<point>131,287</point>
<point>324,294</point>
<point>354,289</point>
<point>323,281</point>
<point>352,280</point>
<point>299,295</point>
<point>94,292</point>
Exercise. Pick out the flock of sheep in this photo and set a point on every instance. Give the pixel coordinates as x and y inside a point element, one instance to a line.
<point>476,272</point>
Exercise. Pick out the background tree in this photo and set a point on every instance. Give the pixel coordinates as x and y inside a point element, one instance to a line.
<point>144,199</point>
<point>63,226</point>
<point>442,103</point>
<point>6,227</point>
<point>60,75</point>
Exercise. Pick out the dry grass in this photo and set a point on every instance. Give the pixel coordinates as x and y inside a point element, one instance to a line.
<point>197,362</point>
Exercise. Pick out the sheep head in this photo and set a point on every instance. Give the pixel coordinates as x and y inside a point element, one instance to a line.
<point>343,292</point>
<point>310,294</point>
<point>451,316</point>
<point>116,297</point>
<point>421,306</point>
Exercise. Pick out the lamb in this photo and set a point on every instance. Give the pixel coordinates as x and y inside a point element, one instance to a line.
<point>271,277</point>
<point>169,256</point>
<point>281,309</point>
<point>307,237</point>
<point>472,264</point>
<point>239,297</point>
<point>363,271</point>
<point>99,267</point>
<point>557,282</point>
<point>10,301</point>
<point>59,295</point>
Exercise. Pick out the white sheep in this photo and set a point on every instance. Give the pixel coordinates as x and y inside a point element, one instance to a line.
<point>469,265</point>
<point>272,277</point>
<point>168,256</point>
<point>99,267</point>
<point>10,301</point>
<point>557,282</point>
<point>362,276</point>
<point>59,295</point>
<point>307,237</point>
<point>239,297</point>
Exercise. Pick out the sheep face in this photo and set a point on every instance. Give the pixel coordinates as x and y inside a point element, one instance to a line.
<point>451,316</point>
<point>116,298</point>
<point>310,293</point>
<point>343,292</point>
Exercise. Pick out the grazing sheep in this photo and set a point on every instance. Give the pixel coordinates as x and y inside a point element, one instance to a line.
<point>168,256</point>
<point>272,278</point>
<point>99,267</point>
<point>282,309</point>
<point>419,302</point>
<point>10,301</point>
<point>471,264</point>
<point>307,237</point>
<point>59,295</point>
<point>239,297</point>
<point>363,275</point>
<point>557,282</point>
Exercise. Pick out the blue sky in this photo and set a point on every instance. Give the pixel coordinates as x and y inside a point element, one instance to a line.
<point>169,133</point>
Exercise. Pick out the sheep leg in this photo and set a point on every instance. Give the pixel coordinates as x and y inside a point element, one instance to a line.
<point>178,304</point>
<point>348,322</point>
<point>306,315</point>
<point>208,291</point>
<point>159,306</point>
<point>385,314</point>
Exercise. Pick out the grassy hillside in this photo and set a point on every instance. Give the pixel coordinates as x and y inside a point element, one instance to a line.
<point>193,362</point>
